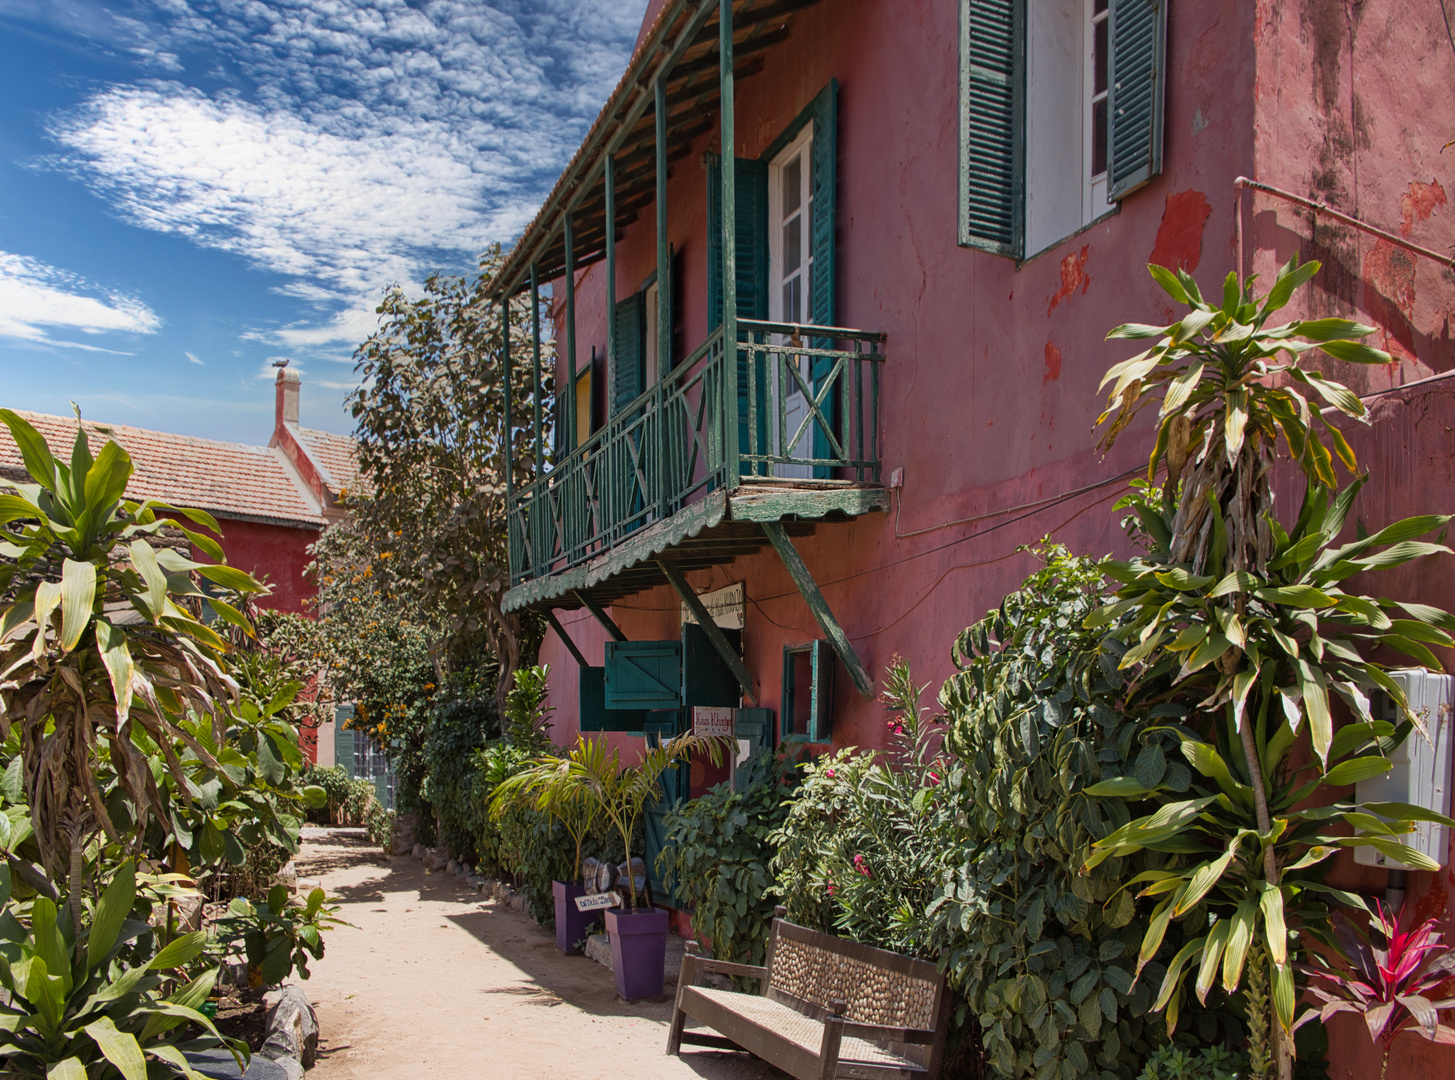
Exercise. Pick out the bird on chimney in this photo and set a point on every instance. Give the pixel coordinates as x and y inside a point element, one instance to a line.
<point>281,363</point>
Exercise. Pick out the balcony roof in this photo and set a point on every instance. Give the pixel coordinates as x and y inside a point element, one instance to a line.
<point>682,45</point>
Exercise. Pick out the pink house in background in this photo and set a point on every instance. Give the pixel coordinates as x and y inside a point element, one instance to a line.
<point>968,191</point>
<point>270,501</point>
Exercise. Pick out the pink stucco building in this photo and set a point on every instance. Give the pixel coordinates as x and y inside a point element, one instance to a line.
<point>974,189</point>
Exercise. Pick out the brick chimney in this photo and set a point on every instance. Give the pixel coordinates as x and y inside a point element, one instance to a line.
<point>286,411</point>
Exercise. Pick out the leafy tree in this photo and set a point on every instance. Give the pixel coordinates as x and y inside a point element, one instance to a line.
<point>431,421</point>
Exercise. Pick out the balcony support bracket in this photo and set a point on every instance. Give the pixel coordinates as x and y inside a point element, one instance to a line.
<point>565,638</point>
<point>710,628</point>
<point>813,597</point>
<point>601,616</point>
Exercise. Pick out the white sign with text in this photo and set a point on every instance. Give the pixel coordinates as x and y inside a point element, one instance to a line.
<point>709,721</point>
<point>592,901</point>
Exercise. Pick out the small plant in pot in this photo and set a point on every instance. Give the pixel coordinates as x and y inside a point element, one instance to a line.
<point>555,789</point>
<point>621,792</point>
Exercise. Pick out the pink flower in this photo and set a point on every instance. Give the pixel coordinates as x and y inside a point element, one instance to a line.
<point>833,888</point>
<point>934,778</point>
<point>829,773</point>
<point>861,867</point>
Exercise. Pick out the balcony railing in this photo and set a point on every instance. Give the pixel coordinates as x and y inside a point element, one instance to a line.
<point>789,409</point>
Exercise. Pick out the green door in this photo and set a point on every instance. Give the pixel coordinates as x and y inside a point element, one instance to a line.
<point>663,725</point>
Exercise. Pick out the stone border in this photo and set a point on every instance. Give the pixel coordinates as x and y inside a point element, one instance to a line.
<point>291,1039</point>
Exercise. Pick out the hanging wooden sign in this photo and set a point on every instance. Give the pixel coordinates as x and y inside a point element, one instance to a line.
<point>710,720</point>
<point>592,901</point>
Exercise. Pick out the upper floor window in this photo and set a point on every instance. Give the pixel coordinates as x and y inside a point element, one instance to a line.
<point>1060,115</point>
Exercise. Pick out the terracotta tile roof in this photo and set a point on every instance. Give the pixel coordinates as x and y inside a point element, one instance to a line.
<point>226,479</point>
<point>334,454</point>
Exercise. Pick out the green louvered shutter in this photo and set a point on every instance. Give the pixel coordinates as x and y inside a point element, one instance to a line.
<point>343,739</point>
<point>824,181</point>
<point>1137,88</point>
<point>992,53</point>
<point>593,714</point>
<point>643,675</point>
<point>751,191</point>
<point>630,373</point>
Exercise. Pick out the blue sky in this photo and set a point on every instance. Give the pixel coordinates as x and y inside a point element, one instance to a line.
<point>190,189</point>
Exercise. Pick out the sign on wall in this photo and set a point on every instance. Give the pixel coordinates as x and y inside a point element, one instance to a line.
<point>725,605</point>
<point>709,721</point>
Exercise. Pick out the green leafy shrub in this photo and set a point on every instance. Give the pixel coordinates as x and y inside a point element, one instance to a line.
<point>718,855</point>
<point>1171,1062</point>
<point>348,798</point>
<point>76,1008</point>
<point>461,720</point>
<point>277,935</point>
<point>379,825</point>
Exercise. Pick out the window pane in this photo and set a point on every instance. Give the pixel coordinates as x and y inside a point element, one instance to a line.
<point>792,186</point>
<point>793,300</point>
<point>1098,59</point>
<point>792,245</point>
<point>1098,138</point>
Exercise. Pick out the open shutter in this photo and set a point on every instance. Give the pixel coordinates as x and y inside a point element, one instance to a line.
<point>753,731</point>
<point>661,727</point>
<point>591,702</point>
<point>643,674</point>
<point>630,375</point>
<point>1137,79</point>
<point>992,55</point>
<point>824,182</point>
<point>706,679</point>
<point>751,191</point>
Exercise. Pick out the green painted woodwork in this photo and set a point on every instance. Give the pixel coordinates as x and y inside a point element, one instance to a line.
<point>819,607</point>
<point>714,633</point>
<point>565,638</point>
<point>1137,78</point>
<point>755,727</point>
<point>706,677</point>
<point>629,368</point>
<point>599,614</point>
<point>992,110</point>
<point>643,674</point>
<point>818,688</point>
<point>591,703</point>
<point>664,454</point>
<point>751,230</point>
<point>824,181</point>
<point>535,341</point>
<point>343,739</point>
<point>775,505</point>
<point>676,781</point>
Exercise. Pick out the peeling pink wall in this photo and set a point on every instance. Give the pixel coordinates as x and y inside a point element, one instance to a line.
<point>990,389</point>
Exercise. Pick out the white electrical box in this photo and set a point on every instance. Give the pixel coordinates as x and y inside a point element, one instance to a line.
<point>1421,773</point>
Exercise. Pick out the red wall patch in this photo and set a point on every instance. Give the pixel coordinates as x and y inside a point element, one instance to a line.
<point>1073,276</point>
<point>1053,362</point>
<point>1179,237</point>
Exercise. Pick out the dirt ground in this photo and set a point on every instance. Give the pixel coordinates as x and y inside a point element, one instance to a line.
<point>435,982</point>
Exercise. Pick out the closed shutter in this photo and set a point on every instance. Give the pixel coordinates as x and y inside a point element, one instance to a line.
<point>662,727</point>
<point>1137,89</point>
<point>343,740</point>
<point>751,192</point>
<point>753,727</point>
<point>592,710</point>
<point>643,674</point>
<point>992,54</point>
<point>630,372</point>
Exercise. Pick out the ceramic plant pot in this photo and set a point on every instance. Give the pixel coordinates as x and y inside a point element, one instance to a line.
<point>572,926</point>
<point>638,951</point>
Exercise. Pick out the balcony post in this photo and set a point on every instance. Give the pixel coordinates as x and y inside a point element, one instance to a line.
<point>610,181</point>
<point>732,455</point>
<point>535,330</point>
<point>664,290</point>
<point>505,361</point>
<point>570,441</point>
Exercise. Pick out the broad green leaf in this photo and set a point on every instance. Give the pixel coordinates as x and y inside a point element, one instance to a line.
<point>1119,787</point>
<point>119,1048</point>
<point>111,912</point>
<point>179,951</point>
<point>144,559</point>
<point>116,655</point>
<point>1393,849</point>
<point>1407,812</point>
<point>1214,647</point>
<point>1212,956</point>
<point>1173,977</point>
<point>1270,902</point>
<point>1283,993</point>
<point>1205,877</point>
<point>1240,936</point>
<point>1170,285</point>
<point>39,461</point>
<point>78,596</point>
<point>230,577</point>
<point>68,1069</point>
<point>1290,277</point>
<point>47,599</point>
<point>1356,769</point>
<point>1237,581</point>
<point>107,478</point>
<point>1331,329</point>
<point>1298,596</point>
<point>1353,352</point>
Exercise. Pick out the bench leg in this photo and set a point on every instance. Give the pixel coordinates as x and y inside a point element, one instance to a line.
<point>833,1035</point>
<point>685,977</point>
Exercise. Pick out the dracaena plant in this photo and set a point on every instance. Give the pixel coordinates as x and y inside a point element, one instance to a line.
<point>1238,633</point>
<point>99,639</point>
<point>75,1008</point>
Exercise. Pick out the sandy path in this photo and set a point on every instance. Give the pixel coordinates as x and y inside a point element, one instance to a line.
<point>438,983</point>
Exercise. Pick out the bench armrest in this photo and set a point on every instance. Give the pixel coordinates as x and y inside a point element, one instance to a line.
<point>694,964</point>
<point>882,1033</point>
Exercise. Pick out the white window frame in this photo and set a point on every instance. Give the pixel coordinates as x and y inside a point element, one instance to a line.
<point>802,148</point>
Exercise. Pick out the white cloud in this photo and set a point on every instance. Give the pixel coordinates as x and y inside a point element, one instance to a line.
<point>193,358</point>
<point>358,145</point>
<point>36,297</point>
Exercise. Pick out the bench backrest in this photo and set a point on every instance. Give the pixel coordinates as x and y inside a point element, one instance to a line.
<point>807,968</point>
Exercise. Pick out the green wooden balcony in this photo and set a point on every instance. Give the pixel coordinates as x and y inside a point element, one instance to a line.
<point>787,430</point>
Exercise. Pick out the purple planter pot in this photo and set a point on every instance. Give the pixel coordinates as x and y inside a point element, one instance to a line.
<point>638,951</point>
<point>572,926</point>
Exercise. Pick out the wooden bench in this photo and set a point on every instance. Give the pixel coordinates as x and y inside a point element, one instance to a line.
<point>826,1007</point>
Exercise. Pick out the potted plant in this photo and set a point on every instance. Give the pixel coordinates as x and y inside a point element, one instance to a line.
<point>638,936</point>
<point>559,792</point>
